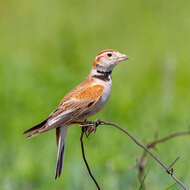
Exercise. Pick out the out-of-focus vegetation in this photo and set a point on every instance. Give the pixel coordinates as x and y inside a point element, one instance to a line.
<point>47,48</point>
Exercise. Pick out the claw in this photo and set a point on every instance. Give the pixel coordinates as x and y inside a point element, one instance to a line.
<point>87,126</point>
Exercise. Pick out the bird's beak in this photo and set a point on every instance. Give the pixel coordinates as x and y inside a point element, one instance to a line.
<point>123,57</point>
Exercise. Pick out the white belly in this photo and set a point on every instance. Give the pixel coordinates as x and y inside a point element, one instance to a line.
<point>104,98</point>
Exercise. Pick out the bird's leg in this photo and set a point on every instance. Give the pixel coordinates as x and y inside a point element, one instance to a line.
<point>86,126</point>
<point>84,129</point>
<point>96,123</point>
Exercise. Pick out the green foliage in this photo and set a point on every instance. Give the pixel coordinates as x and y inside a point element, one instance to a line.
<point>47,48</point>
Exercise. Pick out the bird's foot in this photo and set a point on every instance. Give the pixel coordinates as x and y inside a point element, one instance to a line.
<point>90,127</point>
<point>95,123</point>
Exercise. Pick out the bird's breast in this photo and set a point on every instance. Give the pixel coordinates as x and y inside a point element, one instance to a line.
<point>106,93</point>
<point>99,105</point>
<point>104,97</point>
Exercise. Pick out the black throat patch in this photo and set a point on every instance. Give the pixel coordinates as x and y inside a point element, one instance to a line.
<point>105,76</point>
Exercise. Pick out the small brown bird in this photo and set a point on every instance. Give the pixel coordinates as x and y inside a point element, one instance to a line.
<point>85,100</point>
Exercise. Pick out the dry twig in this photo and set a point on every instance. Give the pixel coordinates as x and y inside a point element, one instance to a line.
<point>142,161</point>
<point>84,158</point>
<point>96,123</point>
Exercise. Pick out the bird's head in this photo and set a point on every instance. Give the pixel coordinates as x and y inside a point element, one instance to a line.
<point>106,60</point>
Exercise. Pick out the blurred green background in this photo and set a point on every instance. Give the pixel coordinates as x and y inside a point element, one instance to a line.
<point>47,48</point>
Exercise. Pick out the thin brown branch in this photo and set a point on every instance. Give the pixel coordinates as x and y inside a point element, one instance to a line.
<point>84,158</point>
<point>141,163</point>
<point>178,134</point>
<point>145,148</point>
<point>173,163</point>
<point>141,168</point>
<point>148,151</point>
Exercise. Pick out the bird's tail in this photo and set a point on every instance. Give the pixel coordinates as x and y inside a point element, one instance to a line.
<point>40,125</point>
<point>61,133</point>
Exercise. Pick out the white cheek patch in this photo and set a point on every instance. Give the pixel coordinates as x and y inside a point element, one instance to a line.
<point>59,117</point>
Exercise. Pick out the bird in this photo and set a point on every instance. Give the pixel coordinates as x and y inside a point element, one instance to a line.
<point>87,99</point>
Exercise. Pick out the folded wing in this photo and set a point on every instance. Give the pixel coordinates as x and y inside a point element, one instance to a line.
<point>70,109</point>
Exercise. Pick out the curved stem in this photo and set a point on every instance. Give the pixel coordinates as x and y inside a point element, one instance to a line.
<point>85,161</point>
<point>148,151</point>
<point>169,170</point>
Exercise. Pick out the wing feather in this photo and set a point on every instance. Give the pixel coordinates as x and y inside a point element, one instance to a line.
<point>71,108</point>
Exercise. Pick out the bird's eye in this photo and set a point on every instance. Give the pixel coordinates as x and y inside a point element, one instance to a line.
<point>109,54</point>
